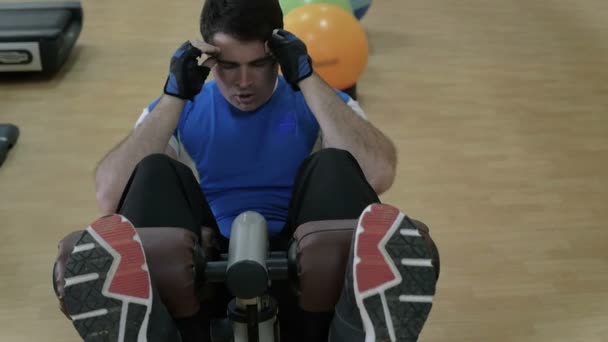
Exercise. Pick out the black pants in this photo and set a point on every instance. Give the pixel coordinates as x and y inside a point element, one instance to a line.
<point>329,185</point>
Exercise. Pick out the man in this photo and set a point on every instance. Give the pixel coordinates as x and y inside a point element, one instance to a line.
<point>288,147</point>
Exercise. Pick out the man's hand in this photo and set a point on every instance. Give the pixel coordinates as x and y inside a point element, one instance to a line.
<point>292,55</point>
<point>186,74</point>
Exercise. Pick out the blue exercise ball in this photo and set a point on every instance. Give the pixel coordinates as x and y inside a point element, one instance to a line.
<point>360,7</point>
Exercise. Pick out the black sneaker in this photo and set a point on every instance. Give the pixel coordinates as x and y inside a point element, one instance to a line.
<point>108,292</point>
<point>390,280</point>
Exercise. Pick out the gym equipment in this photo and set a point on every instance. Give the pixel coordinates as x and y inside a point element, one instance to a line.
<point>360,7</point>
<point>315,263</point>
<point>38,36</point>
<point>8,138</point>
<point>335,40</point>
<point>288,5</point>
<point>247,272</point>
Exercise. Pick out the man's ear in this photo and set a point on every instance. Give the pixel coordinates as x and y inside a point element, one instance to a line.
<point>267,48</point>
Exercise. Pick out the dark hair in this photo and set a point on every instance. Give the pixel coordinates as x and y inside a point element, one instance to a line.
<point>245,20</point>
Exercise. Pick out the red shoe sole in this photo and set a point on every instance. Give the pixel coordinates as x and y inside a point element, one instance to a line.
<point>394,279</point>
<point>108,291</point>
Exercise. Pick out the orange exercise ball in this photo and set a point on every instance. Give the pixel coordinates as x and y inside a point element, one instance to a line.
<point>336,42</point>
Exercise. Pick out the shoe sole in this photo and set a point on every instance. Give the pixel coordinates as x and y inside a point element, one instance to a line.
<point>107,282</point>
<point>394,279</point>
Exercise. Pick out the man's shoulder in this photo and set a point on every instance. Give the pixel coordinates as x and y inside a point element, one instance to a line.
<point>207,92</point>
<point>287,96</point>
<point>203,100</point>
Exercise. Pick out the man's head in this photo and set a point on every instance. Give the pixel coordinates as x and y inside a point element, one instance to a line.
<point>245,72</point>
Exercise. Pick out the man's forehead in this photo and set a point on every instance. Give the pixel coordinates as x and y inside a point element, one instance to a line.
<point>239,51</point>
<point>223,39</point>
<point>221,58</point>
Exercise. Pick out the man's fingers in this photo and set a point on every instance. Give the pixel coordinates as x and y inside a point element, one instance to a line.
<point>205,47</point>
<point>279,33</point>
<point>206,54</point>
<point>274,41</point>
<point>279,37</point>
<point>282,34</point>
<point>208,61</point>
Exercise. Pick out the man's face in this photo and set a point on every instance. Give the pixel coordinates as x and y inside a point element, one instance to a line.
<point>245,72</point>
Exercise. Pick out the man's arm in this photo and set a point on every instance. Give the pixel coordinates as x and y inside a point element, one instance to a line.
<point>185,81</point>
<point>152,136</point>
<point>342,128</point>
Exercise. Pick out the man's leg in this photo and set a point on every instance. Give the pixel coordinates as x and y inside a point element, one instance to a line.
<point>330,185</point>
<point>108,292</point>
<point>390,279</point>
<point>164,193</point>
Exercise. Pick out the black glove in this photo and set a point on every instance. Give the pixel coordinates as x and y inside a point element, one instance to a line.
<point>292,55</point>
<point>186,77</point>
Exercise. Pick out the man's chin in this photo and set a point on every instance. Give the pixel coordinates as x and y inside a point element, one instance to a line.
<point>246,107</point>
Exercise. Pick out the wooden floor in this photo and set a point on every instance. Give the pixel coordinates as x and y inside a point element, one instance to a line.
<point>499,110</point>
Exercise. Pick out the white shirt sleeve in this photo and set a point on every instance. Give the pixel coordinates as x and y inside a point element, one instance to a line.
<point>173,142</point>
<point>176,144</point>
<point>354,105</point>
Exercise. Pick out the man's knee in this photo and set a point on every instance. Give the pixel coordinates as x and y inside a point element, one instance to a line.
<point>153,160</point>
<point>152,168</point>
<point>333,156</point>
<point>160,165</point>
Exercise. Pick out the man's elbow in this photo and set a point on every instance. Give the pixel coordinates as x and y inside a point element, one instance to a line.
<point>386,171</point>
<point>384,179</point>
